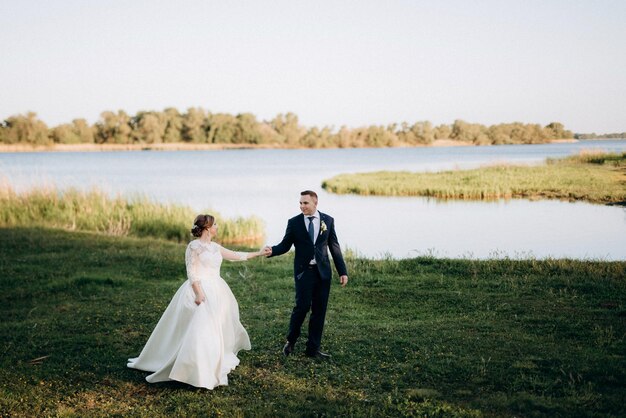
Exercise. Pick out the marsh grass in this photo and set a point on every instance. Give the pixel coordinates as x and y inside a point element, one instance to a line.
<point>94,210</point>
<point>417,337</point>
<point>597,178</point>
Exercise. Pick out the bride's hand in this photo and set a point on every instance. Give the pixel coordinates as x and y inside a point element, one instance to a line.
<point>199,299</point>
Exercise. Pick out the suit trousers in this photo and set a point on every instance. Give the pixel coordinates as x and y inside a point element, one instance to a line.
<point>311,294</point>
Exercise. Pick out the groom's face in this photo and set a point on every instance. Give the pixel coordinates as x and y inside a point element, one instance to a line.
<point>308,205</point>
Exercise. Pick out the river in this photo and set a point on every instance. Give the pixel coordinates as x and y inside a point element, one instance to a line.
<point>266,183</point>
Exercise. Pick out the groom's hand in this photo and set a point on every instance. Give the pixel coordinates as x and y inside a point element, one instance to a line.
<point>267,251</point>
<point>343,280</point>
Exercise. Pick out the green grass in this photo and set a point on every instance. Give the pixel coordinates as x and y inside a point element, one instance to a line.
<point>95,211</point>
<point>418,337</point>
<point>598,178</point>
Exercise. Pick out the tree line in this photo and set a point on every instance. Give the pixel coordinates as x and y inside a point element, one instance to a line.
<point>593,135</point>
<point>202,127</point>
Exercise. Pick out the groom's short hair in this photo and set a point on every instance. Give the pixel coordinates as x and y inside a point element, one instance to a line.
<point>310,193</point>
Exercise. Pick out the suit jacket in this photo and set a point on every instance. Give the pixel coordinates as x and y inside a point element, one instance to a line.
<point>297,235</point>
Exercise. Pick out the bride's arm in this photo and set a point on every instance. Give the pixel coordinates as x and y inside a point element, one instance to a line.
<point>191,260</point>
<point>197,289</point>
<point>240,255</point>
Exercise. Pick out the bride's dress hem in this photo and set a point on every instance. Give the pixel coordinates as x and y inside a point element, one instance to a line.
<point>222,382</point>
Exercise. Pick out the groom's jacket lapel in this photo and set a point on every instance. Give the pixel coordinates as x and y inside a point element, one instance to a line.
<point>323,220</point>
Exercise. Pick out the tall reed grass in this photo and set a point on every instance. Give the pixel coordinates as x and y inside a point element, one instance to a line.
<point>598,178</point>
<point>95,210</point>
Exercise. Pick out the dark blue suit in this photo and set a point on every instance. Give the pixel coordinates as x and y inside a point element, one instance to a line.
<point>312,282</point>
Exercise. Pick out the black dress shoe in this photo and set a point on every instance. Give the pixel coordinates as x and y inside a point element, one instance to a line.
<point>318,354</point>
<point>288,348</point>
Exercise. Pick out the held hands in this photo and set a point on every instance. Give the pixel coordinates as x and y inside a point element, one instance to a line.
<point>265,251</point>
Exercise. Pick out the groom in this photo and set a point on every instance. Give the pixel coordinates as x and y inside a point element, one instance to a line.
<point>313,234</point>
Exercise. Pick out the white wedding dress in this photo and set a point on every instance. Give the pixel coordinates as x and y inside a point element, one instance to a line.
<point>197,344</point>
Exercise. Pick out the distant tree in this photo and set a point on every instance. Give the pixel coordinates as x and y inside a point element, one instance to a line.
<point>247,130</point>
<point>114,128</point>
<point>64,134</point>
<point>343,138</point>
<point>223,128</point>
<point>535,134</point>
<point>311,139</point>
<point>556,130</point>
<point>469,132</point>
<point>616,135</point>
<point>149,127</point>
<point>194,127</point>
<point>519,133</point>
<point>376,136</point>
<point>500,134</point>
<point>288,128</point>
<point>442,131</point>
<point>26,129</point>
<point>76,132</point>
<point>325,137</point>
<point>357,137</point>
<point>423,132</point>
<point>586,136</point>
<point>405,135</point>
<point>482,138</point>
<point>83,130</point>
<point>268,134</point>
<point>173,125</point>
<point>317,138</point>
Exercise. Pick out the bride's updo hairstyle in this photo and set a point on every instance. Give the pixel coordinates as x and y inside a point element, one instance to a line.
<point>201,223</point>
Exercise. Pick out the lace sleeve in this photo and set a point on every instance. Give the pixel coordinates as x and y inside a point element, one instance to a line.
<point>191,262</point>
<point>233,255</point>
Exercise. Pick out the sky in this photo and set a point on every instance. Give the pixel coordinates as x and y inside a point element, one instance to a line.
<point>332,63</point>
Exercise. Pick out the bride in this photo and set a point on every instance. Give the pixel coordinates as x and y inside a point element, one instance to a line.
<point>197,339</point>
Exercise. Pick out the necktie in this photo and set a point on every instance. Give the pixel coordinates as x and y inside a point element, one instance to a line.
<point>311,229</point>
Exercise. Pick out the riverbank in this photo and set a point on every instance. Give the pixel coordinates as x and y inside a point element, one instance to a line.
<point>592,177</point>
<point>420,337</point>
<point>182,146</point>
<point>177,146</point>
<point>95,211</point>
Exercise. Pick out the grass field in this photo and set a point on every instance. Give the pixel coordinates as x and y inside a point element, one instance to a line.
<point>419,337</point>
<point>598,178</point>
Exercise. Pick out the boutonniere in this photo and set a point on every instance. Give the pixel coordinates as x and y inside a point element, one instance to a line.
<point>323,227</point>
